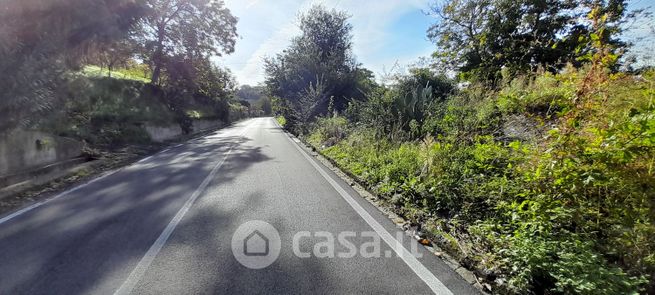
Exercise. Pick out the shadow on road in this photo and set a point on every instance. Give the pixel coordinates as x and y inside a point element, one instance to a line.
<point>75,244</point>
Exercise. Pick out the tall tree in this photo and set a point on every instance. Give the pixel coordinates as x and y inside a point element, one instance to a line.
<point>195,28</point>
<point>112,55</point>
<point>321,55</point>
<point>483,37</point>
<point>41,39</point>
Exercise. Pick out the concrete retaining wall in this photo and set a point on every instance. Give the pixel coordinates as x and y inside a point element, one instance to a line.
<point>164,133</point>
<point>160,134</point>
<point>202,125</point>
<point>22,150</point>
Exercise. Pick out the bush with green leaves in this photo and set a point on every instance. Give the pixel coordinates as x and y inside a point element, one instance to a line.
<point>329,130</point>
<point>569,212</point>
<point>404,110</point>
<point>107,110</point>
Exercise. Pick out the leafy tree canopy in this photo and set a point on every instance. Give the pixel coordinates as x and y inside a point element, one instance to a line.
<point>41,39</point>
<point>194,28</point>
<point>319,61</point>
<point>480,38</point>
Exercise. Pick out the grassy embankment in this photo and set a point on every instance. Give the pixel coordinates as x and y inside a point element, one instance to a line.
<point>114,110</point>
<point>538,186</point>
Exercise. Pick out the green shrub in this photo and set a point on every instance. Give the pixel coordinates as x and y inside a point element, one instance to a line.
<point>281,120</point>
<point>571,213</point>
<point>108,111</point>
<point>545,95</point>
<point>329,130</point>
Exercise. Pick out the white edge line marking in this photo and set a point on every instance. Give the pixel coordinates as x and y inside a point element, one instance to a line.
<point>41,203</point>
<point>427,276</point>
<point>145,159</point>
<point>145,262</point>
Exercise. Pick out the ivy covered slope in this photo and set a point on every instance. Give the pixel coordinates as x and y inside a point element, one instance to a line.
<point>546,185</point>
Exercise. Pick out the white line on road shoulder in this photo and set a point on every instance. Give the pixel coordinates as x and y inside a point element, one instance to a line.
<point>41,203</point>
<point>426,275</point>
<point>145,262</point>
<point>145,159</point>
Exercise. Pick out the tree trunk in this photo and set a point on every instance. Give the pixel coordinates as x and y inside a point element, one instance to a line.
<point>156,71</point>
<point>159,52</point>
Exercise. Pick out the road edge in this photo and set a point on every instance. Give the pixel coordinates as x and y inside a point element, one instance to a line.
<point>466,274</point>
<point>75,185</point>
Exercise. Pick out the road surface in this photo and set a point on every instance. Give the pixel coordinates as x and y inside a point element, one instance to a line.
<point>164,225</point>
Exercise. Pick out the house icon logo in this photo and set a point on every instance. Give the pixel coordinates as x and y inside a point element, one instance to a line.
<point>256,244</point>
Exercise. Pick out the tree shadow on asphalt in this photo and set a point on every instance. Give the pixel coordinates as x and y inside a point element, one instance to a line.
<point>76,244</point>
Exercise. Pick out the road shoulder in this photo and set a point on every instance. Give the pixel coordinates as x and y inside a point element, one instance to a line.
<point>379,209</point>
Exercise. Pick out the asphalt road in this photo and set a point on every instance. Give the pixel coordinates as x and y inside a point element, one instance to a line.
<point>164,225</point>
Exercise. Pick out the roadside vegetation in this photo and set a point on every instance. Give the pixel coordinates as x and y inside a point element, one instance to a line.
<point>533,164</point>
<point>135,73</point>
<point>109,68</point>
<point>525,146</point>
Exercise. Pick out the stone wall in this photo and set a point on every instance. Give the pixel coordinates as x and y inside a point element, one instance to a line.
<point>22,150</point>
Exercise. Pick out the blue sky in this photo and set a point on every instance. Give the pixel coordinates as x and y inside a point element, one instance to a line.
<point>642,33</point>
<point>386,32</point>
